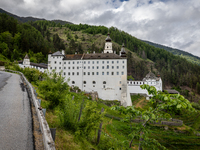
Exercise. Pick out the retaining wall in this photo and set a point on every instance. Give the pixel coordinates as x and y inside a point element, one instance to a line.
<point>47,138</point>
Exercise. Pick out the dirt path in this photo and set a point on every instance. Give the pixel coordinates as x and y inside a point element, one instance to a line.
<point>139,104</point>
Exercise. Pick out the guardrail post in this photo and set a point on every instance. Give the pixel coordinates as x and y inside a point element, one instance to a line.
<point>44,111</point>
<point>53,133</point>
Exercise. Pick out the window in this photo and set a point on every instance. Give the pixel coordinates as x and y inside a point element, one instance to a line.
<point>64,67</point>
<point>112,73</point>
<point>49,62</point>
<point>84,82</point>
<point>104,82</point>
<point>97,73</point>
<point>50,67</point>
<point>77,62</point>
<point>68,67</point>
<point>117,67</point>
<point>97,67</point>
<point>88,73</point>
<point>93,82</point>
<point>107,73</point>
<point>55,67</point>
<point>64,73</point>
<point>117,73</point>
<point>107,66</point>
<point>102,73</point>
<point>107,62</point>
<point>102,62</point>
<point>77,67</point>
<point>84,67</point>
<point>120,82</point>
<point>92,67</point>
<point>97,62</point>
<point>104,86</point>
<point>72,67</point>
<point>122,73</point>
<point>88,67</point>
<point>55,62</point>
<point>84,62</point>
<point>68,62</point>
<point>84,73</point>
<point>112,62</point>
<point>102,67</point>
<point>59,67</point>
<point>92,62</point>
<point>112,67</point>
<point>92,73</point>
<point>73,82</point>
<point>73,62</point>
<point>68,73</point>
<point>72,73</point>
<point>64,62</point>
<point>123,67</point>
<point>59,62</point>
<point>123,62</point>
<point>120,88</point>
<point>117,61</point>
<point>88,62</point>
<point>77,73</point>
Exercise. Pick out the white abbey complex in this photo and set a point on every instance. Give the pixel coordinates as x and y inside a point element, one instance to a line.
<point>150,79</point>
<point>27,64</point>
<point>105,73</point>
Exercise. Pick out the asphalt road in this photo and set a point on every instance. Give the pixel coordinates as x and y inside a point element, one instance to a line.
<point>15,114</point>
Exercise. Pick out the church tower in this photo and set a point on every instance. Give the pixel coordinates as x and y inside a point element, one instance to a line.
<point>108,45</point>
<point>26,60</point>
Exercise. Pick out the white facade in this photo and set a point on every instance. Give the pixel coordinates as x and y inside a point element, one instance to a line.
<point>150,79</point>
<point>27,64</point>
<point>105,73</point>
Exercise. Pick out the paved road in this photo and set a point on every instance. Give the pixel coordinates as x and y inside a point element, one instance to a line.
<point>15,114</point>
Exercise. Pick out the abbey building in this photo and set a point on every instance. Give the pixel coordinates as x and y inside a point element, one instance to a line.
<point>105,73</point>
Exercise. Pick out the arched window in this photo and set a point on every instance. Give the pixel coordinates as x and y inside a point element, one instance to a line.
<point>104,82</point>
<point>94,82</point>
<point>73,82</point>
<point>84,82</point>
<point>107,52</point>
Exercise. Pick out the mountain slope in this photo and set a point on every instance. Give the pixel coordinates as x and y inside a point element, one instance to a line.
<point>186,55</point>
<point>27,19</point>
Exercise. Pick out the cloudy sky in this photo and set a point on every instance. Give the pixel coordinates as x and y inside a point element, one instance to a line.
<point>174,23</point>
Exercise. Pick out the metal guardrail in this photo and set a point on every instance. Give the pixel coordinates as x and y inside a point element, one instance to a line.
<point>47,137</point>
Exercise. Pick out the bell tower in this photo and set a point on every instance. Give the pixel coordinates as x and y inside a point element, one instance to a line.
<point>108,45</point>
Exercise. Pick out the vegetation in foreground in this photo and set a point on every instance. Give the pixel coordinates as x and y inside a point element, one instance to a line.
<point>78,129</point>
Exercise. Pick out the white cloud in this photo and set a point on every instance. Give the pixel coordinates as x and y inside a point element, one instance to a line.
<point>173,23</point>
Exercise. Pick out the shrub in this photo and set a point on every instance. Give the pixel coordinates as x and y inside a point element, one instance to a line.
<point>54,89</point>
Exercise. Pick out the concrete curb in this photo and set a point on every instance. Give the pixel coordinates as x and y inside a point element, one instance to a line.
<point>47,138</point>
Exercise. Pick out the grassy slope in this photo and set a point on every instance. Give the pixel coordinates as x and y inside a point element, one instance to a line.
<point>117,132</point>
<point>98,40</point>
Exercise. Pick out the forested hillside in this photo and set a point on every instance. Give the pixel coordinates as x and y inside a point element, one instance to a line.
<point>39,37</point>
<point>186,55</point>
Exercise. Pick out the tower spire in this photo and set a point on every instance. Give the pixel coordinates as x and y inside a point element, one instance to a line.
<point>108,44</point>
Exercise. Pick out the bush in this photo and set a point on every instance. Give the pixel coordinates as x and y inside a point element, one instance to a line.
<point>70,114</point>
<point>54,89</point>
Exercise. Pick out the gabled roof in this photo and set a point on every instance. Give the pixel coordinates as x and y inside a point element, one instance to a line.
<point>58,53</point>
<point>73,57</point>
<point>26,57</point>
<point>150,75</point>
<point>102,56</point>
<point>39,65</point>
